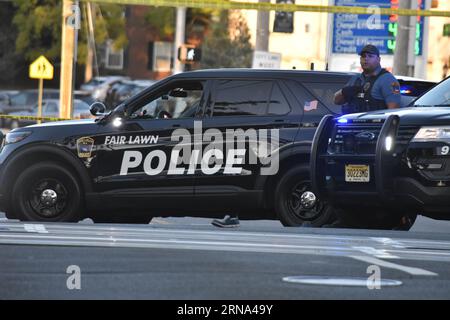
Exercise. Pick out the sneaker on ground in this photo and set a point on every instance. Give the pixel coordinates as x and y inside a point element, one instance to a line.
<point>226,222</point>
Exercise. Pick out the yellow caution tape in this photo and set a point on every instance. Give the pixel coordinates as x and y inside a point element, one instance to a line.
<point>224,4</point>
<point>4,116</point>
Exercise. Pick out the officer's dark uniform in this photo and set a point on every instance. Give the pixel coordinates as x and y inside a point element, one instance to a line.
<point>371,92</point>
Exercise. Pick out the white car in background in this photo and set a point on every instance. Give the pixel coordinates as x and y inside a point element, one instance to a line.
<point>50,108</point>
<point>98,86</point>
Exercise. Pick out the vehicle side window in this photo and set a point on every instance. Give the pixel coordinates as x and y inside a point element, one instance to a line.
<point>32,98</point>
<point>241,97</point>
<point>309,104</point>
<point>51,108</point>
<point>325,92</point>
<point>278,104</point>
<point>176,101</point>
<point>19,99</point>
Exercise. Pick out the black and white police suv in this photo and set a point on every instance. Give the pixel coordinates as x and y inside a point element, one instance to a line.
<point>200,143</point>
<point>384,167</point>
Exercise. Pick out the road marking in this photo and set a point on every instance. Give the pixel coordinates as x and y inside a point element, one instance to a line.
<point>379,253</point>
<point>35,228</point>
<point>390,265</point>
<point>389,242</point>
<point>339,281</point>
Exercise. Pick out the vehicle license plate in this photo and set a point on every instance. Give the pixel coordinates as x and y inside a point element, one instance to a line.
<point>357,173</point>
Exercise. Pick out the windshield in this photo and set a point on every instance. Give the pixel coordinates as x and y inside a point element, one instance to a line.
<point>439,96</point>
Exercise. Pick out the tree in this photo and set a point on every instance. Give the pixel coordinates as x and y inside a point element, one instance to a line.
<point>162,19</point>
<point>39,28</point>
<point>8,57</point>
<point>228,43</point>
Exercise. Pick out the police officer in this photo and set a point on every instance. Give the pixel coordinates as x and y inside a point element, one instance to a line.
<point>374,89</point>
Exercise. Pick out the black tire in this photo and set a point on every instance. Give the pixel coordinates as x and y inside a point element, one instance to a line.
<point>288,208</point>
<point>47,178</point>
<point>375,218</point>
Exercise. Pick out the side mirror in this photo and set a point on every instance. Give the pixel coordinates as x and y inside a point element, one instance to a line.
<point>2,136</point>
<point>97,109</point>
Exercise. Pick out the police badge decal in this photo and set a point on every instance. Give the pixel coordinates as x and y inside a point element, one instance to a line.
<point>395,87</point>
<point>84,147</point>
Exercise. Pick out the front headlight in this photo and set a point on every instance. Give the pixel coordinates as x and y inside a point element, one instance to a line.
<point>432,134</point>
<point>13,137</point>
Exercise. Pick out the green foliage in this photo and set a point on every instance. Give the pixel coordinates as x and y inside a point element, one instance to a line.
<point>162,19</point>
<point>225,49</point>
<point>39,25</point>
<point>8,35</point>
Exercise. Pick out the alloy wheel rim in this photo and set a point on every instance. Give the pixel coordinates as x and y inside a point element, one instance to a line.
<point>48,198</point>
<point>294,203</point>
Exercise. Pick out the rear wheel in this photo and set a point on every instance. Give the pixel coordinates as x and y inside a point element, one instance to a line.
<point>47,191</point>
<point>295,203</point>
<point>375,218</point>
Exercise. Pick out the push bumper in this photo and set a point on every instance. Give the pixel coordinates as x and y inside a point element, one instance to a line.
<point>385,189</point>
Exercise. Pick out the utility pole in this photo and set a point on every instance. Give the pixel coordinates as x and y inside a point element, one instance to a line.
<point>91,60</point>
<point>262,29</point>
<point>179,38</point>
<point>404,55</point>
<point>70,25</point>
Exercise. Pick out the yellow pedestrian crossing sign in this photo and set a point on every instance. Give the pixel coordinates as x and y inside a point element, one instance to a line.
<point>41,68</point>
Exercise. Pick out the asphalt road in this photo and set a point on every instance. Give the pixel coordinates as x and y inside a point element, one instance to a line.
<point>187,258</point>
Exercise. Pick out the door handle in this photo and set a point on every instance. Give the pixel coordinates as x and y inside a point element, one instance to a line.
<point>176,126</point>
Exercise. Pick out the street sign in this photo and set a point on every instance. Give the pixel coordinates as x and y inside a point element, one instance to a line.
<point>266,60</point>
<point>41,68</point>
<point>351,32</point>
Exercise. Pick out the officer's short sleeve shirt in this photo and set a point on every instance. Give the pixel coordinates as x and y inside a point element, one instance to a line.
<point>385,88</point>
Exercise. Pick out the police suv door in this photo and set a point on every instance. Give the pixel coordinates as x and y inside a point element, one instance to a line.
<point>136,158</point>
<point>259,111</point>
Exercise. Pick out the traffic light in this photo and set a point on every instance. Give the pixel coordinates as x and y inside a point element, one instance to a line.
<point>189,54</point>
<point>284,21</point>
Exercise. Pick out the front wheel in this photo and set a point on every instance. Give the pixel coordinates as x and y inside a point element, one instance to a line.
<point>49,192</point>
<point>295,203</point>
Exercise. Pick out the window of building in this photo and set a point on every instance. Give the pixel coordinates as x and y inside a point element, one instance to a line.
<point>114,58</point>
<point>162,56</point>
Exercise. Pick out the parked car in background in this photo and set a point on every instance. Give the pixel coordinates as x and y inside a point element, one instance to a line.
<point>122,90</point>
<point>23,100</point>
<point>98,86</point>
<point>84,96</point>
<point>5,95</point>
<point>50,108</point>
<point>412,88</point>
